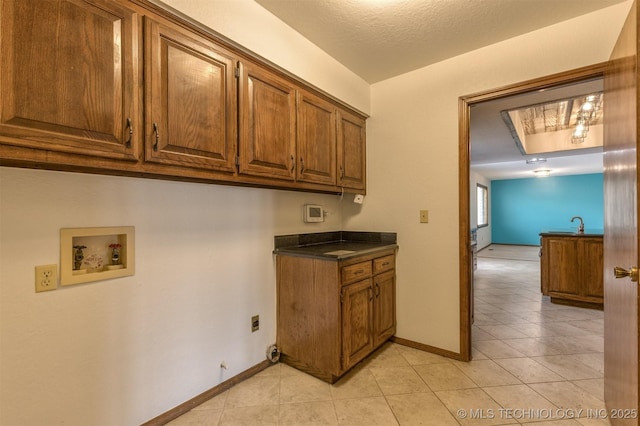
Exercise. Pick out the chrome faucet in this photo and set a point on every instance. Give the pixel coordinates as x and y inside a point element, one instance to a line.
<point>581,227</point>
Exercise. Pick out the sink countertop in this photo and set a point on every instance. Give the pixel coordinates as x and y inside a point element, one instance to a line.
<point>337,245</point>
<point>573,232</point>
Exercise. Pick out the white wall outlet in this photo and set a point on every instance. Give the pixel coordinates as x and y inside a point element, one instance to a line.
<point>46,278</point>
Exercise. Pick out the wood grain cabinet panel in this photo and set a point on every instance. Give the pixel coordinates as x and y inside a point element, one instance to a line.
<point>332,314</point>
<point>356,272</point>
<point>384,288</point>
<point>351,147</point>
<point>68,77</point>
<point>308,312</point>
<point>357,321</point>
<point>316,140</point>
<point>385,263</point>
<point>268,124</point>
<point>592,271</point>
<point>571,270</point>
<point>191,99</point>
<point>563,276</point>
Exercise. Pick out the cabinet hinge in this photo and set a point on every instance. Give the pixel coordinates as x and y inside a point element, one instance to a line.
<point>237,161</point>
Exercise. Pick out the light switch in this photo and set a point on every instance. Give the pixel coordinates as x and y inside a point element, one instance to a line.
<point>424,216</point>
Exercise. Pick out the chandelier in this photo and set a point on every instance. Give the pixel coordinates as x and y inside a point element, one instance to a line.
<point>586,114</point>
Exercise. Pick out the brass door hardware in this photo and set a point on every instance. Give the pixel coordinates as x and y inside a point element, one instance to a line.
<point>631,272</point>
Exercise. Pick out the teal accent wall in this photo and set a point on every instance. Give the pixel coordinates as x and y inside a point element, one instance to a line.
<point>521,208</point>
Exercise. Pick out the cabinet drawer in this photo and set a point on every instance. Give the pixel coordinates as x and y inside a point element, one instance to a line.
<point>384,263</point>
<point>356,272</point>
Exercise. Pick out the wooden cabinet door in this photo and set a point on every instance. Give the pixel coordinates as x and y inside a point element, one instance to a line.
<point>384,306</point>
<point>69,75</point>
<point>591,251</point>
<point>267,124</point>
<point>562,255</point>
<point>191,105</point>
<point>351,152</point>
<point>357,316</point>
<point>316,141</point>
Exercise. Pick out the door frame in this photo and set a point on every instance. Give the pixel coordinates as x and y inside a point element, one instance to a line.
<point>464,191</point>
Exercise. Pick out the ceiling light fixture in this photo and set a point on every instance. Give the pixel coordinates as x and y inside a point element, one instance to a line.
<point>559,125</point>
<point>536,160</point>
<point>542,173</point>
<point>586,115</point>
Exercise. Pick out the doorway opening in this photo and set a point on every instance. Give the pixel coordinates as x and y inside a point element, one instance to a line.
<point>540,87</point>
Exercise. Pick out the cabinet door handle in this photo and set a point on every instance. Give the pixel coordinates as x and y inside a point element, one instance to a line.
<point>157,132</point>
<point>341,173</point>
<point>301,165</point>
<point>358,272</point>
<point>130,127</point>
<point>377,289</point>
<point>293,163</point>
<point>386,264</point>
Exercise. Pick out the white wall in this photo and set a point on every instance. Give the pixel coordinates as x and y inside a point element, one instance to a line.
<point>121,352</point>
<point>413,158</point>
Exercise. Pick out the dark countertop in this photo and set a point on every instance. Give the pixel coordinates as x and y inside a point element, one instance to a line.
<point>337,245</point>
<point>572,232</point>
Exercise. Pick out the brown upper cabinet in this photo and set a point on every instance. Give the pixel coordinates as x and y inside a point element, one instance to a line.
<point>267,144</point>
<point>351,151</point>
<point>316,140</point>
<point>125,87</point>
<point>190,99</point>
<point>69,77</point>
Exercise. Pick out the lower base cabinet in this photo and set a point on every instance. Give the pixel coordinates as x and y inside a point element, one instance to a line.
<point>572,270</point>
<point>332,314</point>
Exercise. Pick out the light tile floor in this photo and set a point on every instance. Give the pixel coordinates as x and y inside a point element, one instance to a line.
<point>533,362</point>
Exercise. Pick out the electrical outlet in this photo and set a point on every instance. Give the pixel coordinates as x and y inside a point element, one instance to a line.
<point>46,277</point>
<point>255,323</point>
<point>424,216</point>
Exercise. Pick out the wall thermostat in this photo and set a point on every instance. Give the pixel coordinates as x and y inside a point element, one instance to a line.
<point>313,213</point>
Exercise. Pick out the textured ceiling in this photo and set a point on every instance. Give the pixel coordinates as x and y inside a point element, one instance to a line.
<point>379,39</point>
